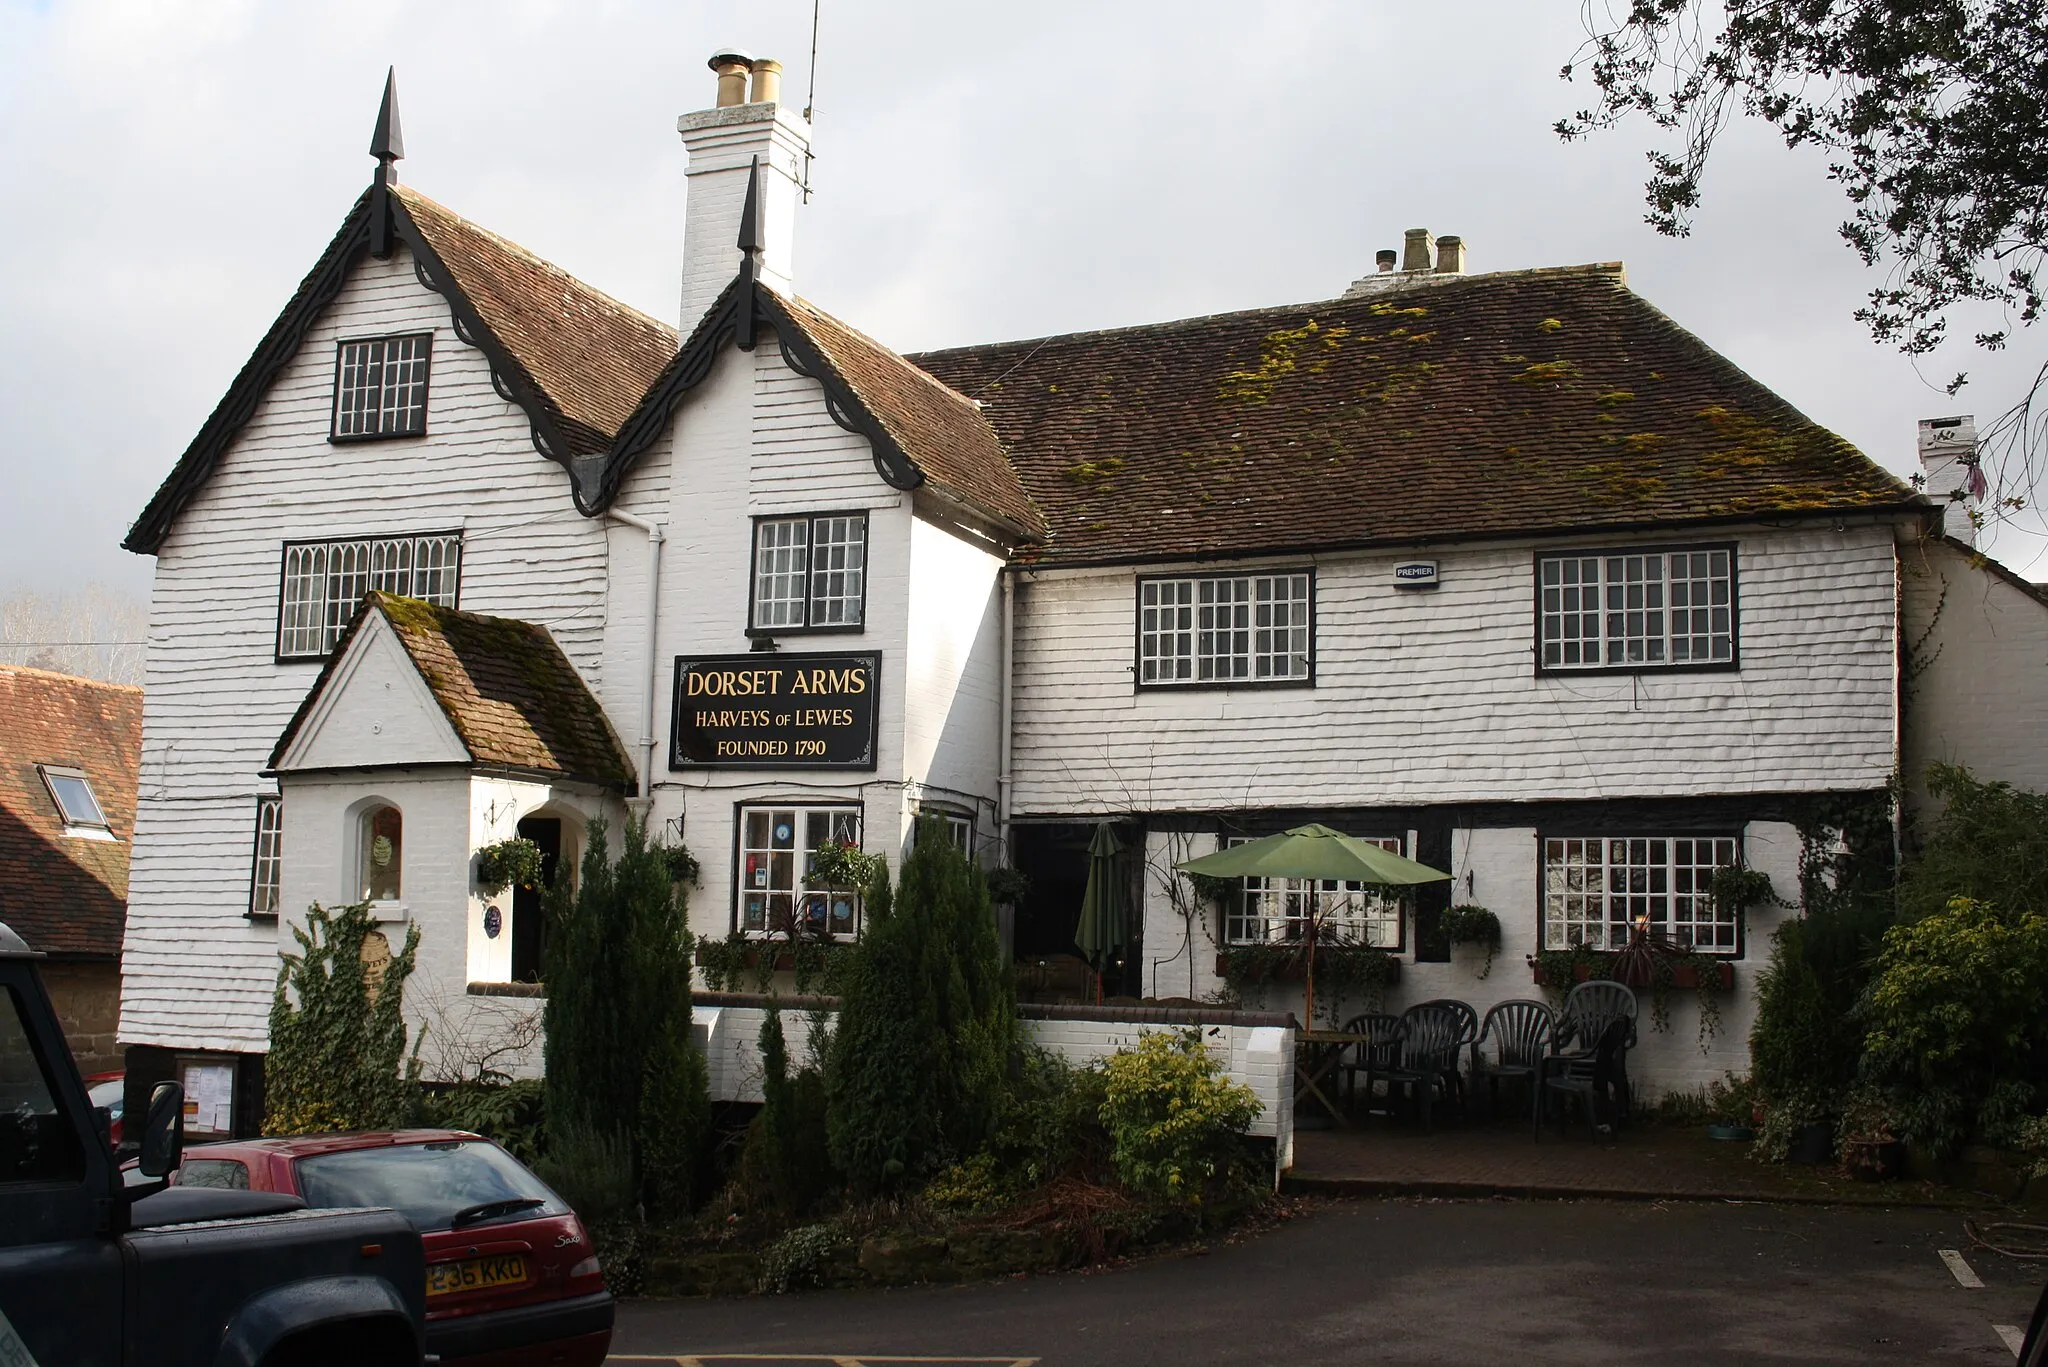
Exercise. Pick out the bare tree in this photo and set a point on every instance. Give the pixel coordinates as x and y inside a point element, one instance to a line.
<point>96,632</point>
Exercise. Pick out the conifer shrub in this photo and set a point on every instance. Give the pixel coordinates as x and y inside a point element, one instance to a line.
<point>337,1031</point>
<point>621,1066</point>
<point>927,1025</point>
<point>787,1161</point>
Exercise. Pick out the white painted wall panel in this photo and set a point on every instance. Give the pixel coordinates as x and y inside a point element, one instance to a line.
<point>1430,697</point>
<point>954,685</point>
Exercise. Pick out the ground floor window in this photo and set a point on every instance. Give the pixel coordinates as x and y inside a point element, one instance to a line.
<point>959,829</point>
<point>1276,910</point>
<point>1597,888</point>
<point>776,895</point>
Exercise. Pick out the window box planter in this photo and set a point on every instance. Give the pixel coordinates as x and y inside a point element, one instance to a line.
<point>1684,976</point>
<point>1296,971</point>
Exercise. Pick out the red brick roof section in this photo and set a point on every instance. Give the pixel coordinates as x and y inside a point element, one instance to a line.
<point>1517,402</point>
<point>590,354</point>
<point>65,894</point>
<point>943,432</point>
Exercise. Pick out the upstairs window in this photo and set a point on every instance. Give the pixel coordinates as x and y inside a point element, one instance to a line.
<point>380,387</point>
<point>1637,609</point>
<point>266,879</point>
<point>1597,890</point>
<point>1236,629</point>
<point>810,573</point>
<point>324,583</point>
<point>76,802</point>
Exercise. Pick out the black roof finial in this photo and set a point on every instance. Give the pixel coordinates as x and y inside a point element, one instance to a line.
<point>751,242</point>
<point>387,145</point>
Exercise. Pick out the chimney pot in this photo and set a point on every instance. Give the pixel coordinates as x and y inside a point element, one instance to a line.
<point>1415,250</point>
<point>1386,259</point>
<point>732,65</point>
<point>1450,256</point>
<point>767,82</point>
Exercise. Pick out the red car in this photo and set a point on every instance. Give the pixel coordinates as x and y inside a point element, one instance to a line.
<point>512,1280</point>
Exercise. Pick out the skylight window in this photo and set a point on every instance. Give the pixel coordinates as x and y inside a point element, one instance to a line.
<point>76,802</point>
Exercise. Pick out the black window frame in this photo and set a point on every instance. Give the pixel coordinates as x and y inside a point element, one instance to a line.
<point>1606,831</point>
<point>1138,681</point>
<point>1732,664</point>
<point>419,429</point>
<point>266,802</point>
<point>284,560</point>
<point>754,576</point>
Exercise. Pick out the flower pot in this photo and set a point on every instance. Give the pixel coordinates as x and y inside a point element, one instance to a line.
<point>1741,1134</point>
<point>1874,1160</point>
<point>1812,1145</point>
<point>1684,977</point>
<point>1295,972</point>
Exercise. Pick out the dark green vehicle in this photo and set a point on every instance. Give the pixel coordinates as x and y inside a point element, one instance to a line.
<point>95,1274</point>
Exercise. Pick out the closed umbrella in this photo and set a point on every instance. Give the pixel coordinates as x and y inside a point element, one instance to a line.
<point>1315,852</point>
<point>1104,928</point>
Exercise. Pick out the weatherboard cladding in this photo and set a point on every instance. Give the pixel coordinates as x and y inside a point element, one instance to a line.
<point>505,686</point>
<point>1512,402</point>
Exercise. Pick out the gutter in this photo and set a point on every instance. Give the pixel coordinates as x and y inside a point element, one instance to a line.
<point>654,540</point>
<point>1009,671</point>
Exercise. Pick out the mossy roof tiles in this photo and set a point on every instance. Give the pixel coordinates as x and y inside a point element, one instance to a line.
<point>1518,402</point>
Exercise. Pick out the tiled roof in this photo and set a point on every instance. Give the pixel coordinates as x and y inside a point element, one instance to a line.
<point>592,356</point>
<point>512,696</point>
<point>64,894</point>
<point>940,430</point>
<point>1516,402</point>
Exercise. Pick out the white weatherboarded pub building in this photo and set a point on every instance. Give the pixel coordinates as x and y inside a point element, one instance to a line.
<point>1506,570</point>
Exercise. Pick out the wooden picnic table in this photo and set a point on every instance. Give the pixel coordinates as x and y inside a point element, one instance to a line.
<point>1317,1054</point>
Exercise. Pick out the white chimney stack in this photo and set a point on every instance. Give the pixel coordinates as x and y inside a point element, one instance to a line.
<point>723,142</point>
<point>1950,473</point>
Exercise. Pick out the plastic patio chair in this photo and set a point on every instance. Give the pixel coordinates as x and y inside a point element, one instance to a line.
<point>1520,1033</point>
<point>1593,1081</point>
<point>1468,1035</point>
<point>1588,1009</point>
<point>1378,1051</point>
<point>1429,1051</point>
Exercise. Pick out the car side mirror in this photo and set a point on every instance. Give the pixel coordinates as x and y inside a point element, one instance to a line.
<point>163,1131</point>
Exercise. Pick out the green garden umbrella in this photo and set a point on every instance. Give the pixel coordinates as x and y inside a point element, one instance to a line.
<point>1313,852</point>
<point>1104,928</point>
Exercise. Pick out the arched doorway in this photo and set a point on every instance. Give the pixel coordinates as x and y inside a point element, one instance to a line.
<point>529,917</point>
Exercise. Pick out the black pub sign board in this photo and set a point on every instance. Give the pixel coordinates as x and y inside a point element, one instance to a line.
<point>762,711</point>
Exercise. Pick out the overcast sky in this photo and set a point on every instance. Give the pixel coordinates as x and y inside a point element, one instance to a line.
<point>983,172</point>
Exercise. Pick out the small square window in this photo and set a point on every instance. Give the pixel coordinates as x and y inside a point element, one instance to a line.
<point>380,387</point>
<point>76,802</point>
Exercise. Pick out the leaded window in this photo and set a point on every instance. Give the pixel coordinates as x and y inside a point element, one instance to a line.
<point>1654,609</point>
<point>810,573</point>
<point>266,880</point>
<point>1225,629</point>
<point>778,894</point>
<point>380,387</point>
<point>324,583</point>
<point>1278,910</point>
<point>1598,889</point>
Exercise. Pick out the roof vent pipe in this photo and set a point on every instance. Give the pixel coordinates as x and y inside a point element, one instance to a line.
<point>1385,259</point>
<point>1415,250</point>
<point>767,82</point>
<point>732,65</point>
<point>1450,256</point>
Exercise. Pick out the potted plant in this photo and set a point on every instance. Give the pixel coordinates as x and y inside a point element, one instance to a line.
<point>1474,925</point>
<point>505,864</point>
<point>1731,1109</point>
<point>1870,1146</point>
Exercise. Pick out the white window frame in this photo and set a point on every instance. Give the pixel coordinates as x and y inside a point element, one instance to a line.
<point>1596,888</point>
<point>1227,630</point>
<point>91,825</point>
<point>266,871</point>
<point>322,583</point>
<point>380,386</point>
<point>1277,910</point>
<point>816,576</point>
<point>1637,608</point>
<point>959,827</point>
<point>771,870</point>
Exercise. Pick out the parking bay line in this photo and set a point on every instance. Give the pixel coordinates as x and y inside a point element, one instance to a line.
<point>1964,1274</point>
<point>2015,1337</point>
<point>837,1359</point>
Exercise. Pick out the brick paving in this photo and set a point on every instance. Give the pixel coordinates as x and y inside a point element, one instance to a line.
<point>1642,1162</point>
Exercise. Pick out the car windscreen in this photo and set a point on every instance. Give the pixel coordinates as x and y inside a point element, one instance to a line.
<point>430,1184</point>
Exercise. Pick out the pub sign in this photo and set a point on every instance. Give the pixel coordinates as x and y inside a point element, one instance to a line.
<point>775,711</point>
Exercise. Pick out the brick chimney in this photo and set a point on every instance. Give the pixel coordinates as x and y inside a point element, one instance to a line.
<point>722,143</point>
<point>1950,474</point>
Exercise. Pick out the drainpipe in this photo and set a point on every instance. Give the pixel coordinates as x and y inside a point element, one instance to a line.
<point>1003,763</point>
<point>654,539</point>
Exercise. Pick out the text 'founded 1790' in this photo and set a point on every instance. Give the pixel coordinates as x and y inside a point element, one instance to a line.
<point>775,712</point>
